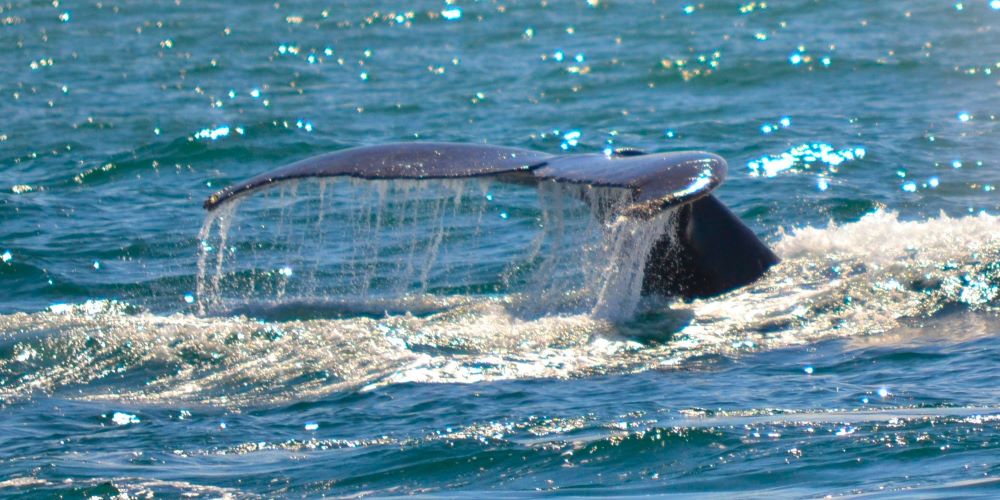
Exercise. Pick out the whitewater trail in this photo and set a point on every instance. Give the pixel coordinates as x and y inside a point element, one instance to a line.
<point>850,280</point>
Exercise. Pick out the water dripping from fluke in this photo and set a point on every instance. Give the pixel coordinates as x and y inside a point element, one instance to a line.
<point>414,228</point>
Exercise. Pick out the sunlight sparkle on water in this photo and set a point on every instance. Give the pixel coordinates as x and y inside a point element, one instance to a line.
<point>212,133</point>
<point>121,418</point>
<point>995,4</point>
<point>6,257</point>
<point>451,13</point>
<point>571,139</point>
<point>804,156</point>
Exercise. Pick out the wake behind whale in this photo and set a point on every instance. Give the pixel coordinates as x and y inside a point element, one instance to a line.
<point>869,280</point>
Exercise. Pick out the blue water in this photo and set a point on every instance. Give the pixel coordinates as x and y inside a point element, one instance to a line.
<point>862,141</point>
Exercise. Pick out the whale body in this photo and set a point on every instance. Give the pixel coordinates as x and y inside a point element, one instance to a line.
<point>710,253</point>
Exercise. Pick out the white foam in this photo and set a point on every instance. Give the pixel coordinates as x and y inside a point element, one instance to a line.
<point>880,238</point>
<point>849,280</point>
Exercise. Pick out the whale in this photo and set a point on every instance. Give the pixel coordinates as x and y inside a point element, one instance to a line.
<point>708,252</point>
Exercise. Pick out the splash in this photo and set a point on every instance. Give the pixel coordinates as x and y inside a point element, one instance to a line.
<point>856,280</point>
<point>395,244</point>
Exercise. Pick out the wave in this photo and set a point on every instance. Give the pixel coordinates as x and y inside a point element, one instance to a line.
<point>849,280</point>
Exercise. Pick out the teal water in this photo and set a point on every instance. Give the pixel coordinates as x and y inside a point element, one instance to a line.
<point>862,140</point>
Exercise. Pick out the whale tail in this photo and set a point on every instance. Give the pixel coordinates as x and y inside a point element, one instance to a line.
<point>709,253</point>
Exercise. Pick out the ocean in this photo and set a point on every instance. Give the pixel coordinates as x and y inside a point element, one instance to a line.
<point>474,338</point>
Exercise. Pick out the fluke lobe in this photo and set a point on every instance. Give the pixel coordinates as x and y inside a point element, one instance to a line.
<point>711,253</point>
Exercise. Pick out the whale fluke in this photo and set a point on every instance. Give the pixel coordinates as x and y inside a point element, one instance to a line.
<point>716,253</point>
<point>407,160</point>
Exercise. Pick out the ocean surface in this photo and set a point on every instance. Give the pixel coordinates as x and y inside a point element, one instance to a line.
<point>477,339</point>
